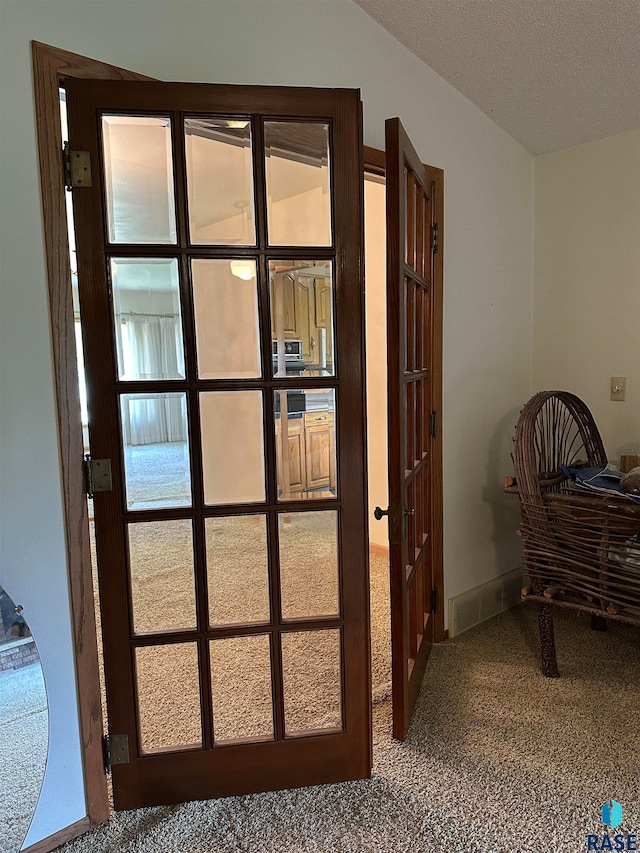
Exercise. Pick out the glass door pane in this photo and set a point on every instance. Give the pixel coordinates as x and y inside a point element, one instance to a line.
<point>298,183</point>
<point>237,569</point>
<point>305,431</point>
<point>220,181</point>
<point>147,318</point>
<point>311,665</point>
<point>138,169</point>
<point>302,306</point>
<point>162,576</point>
<point>241,686</point>
<point>309,576</point>
<point>155,436</point>
<point>168,707</point>
<point>231,424</point>
<point>225,296</point>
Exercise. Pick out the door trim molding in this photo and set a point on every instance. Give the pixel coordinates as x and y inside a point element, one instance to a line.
<point>49,65</point>
<point>437,542</point>
<point>375,164</point>
<point>69,833</point>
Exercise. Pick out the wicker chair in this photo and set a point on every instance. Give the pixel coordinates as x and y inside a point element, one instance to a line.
<point>581,550</point>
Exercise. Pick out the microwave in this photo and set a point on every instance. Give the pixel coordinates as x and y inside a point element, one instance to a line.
<point>292,351</point>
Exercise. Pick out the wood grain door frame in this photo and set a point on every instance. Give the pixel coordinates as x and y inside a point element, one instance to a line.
<point>50,66</point>
<point>375,164</point>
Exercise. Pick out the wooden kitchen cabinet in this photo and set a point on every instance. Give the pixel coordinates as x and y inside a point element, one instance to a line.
<point>288,290</point>
<point>306,330</point>
<point>320,449</point>
<point>322,299</point>
<point>298,312</point>
<point>308,464</point>
<point>292,469</point>
<point>297,478</point>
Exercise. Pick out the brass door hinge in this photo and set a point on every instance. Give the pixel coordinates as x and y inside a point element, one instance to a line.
<point>97,474</point>
<point>77,168</point>
<point>115,750</point>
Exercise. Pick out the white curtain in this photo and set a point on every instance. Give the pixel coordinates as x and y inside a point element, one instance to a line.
<point>152,349</point>
<point>154,418</point>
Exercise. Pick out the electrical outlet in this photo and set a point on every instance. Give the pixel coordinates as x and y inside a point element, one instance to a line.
<point>618,388</point>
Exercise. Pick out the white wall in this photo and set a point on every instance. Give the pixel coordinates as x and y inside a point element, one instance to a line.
<point>587,279</point>
<point>488,279</point>
<point>375,262</point>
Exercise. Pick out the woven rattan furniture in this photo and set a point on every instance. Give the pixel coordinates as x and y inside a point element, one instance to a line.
<point>581,550</point>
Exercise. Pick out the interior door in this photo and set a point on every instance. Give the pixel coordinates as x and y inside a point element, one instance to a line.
<point>413,391</point>
<point>234,609</point>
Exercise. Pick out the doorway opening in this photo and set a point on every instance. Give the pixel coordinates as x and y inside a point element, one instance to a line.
<point>375,240</point>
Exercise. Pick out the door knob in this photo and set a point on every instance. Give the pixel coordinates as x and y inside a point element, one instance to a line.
<point>379,512</point>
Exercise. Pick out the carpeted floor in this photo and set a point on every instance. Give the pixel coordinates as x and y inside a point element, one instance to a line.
<point>497,759</point>
<point>24,730</point>
<point>158,475</point>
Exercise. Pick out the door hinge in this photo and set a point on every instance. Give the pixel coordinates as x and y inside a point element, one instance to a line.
<point>97,475</point>
<point>434,600</point>
<point>434,237</point>
<point>115,750</point>
<point>433,424</point>
<point>77,168</point>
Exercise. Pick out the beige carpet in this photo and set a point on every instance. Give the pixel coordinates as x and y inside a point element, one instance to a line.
<point>498,759</point>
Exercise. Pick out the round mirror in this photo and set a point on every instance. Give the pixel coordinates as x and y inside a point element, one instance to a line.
<point>24,725</point>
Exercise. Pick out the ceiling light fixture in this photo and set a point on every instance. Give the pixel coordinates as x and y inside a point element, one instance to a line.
<point>243,269</point>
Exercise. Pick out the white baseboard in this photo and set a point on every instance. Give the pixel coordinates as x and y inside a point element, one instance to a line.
<point>484,601</point>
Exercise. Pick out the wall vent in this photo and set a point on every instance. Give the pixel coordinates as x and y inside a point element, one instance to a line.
<point>472,607</point>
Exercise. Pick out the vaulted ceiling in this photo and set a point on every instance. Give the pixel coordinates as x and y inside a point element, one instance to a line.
<point>552,73</point>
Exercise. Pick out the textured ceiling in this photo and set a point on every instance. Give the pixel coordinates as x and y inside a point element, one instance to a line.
<point>552,73</point>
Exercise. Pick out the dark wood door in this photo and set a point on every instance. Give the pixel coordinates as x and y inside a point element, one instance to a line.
<point>234,607</point>
<point>413,392</point>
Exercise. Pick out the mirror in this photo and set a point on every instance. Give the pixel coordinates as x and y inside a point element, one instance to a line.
<point>24,725</point>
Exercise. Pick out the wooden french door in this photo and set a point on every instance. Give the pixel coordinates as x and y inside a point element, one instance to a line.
<point>234,602</point>
<point>415,527</point>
